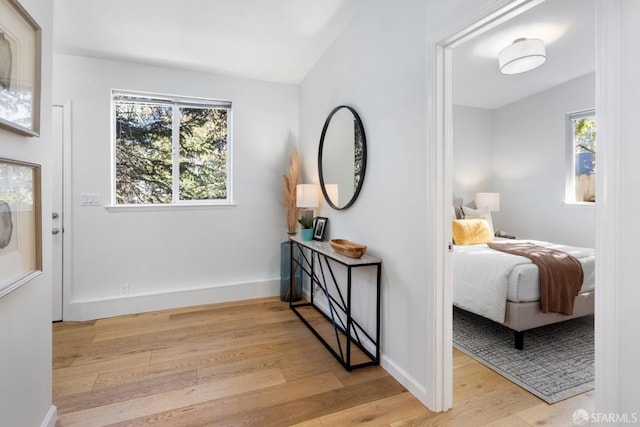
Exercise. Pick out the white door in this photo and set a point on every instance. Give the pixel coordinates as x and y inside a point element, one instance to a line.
<point>57,214</point>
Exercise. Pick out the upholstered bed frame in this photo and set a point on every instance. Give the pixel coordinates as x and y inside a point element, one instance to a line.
<point>521,316</point>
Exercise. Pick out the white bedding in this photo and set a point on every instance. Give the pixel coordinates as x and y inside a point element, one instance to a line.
<point>484,279</point>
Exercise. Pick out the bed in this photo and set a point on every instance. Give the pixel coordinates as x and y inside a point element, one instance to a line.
<point>506,288</point>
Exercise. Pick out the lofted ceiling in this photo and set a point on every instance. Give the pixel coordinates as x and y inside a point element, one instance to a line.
<point>281,40</point>
<point>566,26</point>
<point>273,40</point>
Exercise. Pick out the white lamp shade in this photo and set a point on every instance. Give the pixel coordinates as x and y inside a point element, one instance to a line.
<point>491,201</point>
<point>521,56</point>
<point>307,196</point>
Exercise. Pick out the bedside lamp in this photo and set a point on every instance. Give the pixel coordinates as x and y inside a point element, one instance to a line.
<point>491,201</point>
<point>307,197</point>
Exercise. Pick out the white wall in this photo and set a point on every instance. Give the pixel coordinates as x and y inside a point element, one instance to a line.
<point>529,163</point>
<point>25,313</point>
<point>519,150</point>
<point>176,256</point>
<point>377,66</point>
<point>472,152</point>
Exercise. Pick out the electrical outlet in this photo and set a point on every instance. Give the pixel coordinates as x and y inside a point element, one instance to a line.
<point>124,288</point>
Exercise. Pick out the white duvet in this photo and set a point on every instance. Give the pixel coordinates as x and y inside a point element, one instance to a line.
<point>484,279</point>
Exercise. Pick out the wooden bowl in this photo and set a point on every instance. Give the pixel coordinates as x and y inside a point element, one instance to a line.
<point>347,248</point>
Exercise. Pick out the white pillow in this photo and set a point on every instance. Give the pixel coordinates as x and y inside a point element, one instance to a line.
<point>457,204</point>
<point>478,213</point>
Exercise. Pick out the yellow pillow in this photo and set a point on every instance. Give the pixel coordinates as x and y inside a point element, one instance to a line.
<point>471,231</point>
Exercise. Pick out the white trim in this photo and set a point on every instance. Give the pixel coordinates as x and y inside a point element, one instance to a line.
<point>175,153</point>
<point>230,158</point>
<point>440,314</point>
<point>570,153</point>
<point>580,205</point>
<point>112,145</point>
<point>51,418</point>
<point>608,93</point>
<point>21,281</point>
<point>439,303</point>
<point>98,308</point>
<point>493,16</point>
<point>176,102</point>
<point>569,166</point>
<point>67,206</point>
<point>168,207</point>
<point>164,98</point>
<point>406,380</point>
<point>445,237</point>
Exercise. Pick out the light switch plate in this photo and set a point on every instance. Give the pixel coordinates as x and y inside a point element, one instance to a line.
<point>90,199</point>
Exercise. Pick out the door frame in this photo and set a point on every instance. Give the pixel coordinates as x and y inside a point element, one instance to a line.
<point>609,197</point>
<point>67,231</point>
<point>441,161</point>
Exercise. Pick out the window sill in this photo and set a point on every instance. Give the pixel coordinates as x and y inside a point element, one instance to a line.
<point>580,204</point>
<point>152,208</point>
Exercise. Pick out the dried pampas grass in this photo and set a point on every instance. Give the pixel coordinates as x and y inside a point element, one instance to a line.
<point>289,191</point>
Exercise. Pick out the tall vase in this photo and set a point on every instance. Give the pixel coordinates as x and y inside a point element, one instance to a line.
<point>288,292</point>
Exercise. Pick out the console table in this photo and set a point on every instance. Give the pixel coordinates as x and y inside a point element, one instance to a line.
<point>329,315</point>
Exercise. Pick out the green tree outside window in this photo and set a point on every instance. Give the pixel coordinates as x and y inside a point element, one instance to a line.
<point>584,143</point>
<point>151,138</point>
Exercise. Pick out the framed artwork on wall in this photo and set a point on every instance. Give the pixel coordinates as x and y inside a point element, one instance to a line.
<point>20,224</point>
<point>319,225</point>
<point>20,51</point>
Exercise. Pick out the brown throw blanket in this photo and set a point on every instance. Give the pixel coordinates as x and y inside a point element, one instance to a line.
<point>561,274</point>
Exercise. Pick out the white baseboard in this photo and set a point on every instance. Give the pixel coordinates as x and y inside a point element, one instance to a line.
<point>51,417</point>
<point>81,310</point>
<point>407,381</point>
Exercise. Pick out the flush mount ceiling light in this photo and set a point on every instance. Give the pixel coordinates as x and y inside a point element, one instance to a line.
<point>521,56</point>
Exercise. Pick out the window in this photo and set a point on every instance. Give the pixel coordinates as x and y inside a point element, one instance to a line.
<point>581,175</point>
<point>170,150</point>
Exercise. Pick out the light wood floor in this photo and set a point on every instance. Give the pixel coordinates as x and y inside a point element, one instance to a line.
<point>253,363</point>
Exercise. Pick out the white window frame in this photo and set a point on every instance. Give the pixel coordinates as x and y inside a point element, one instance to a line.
<point>570,178</point>
<point>175,101</point>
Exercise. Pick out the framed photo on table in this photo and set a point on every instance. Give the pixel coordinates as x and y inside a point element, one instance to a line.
<point>20,224</point>
<point>20,67</point>
<point>319,225</point>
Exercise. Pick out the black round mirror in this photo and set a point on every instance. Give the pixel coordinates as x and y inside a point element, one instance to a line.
<point>342,157</point>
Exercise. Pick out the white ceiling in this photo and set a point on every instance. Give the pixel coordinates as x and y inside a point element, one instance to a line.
<point>274,40</point>
<point>281,40</point>
<point>566,26</point>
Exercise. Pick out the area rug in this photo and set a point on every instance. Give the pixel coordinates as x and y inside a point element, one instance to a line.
<point>557,361</point>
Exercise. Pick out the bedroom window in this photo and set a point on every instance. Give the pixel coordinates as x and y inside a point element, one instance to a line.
<point>581,174</point>
<point>170,150</point>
